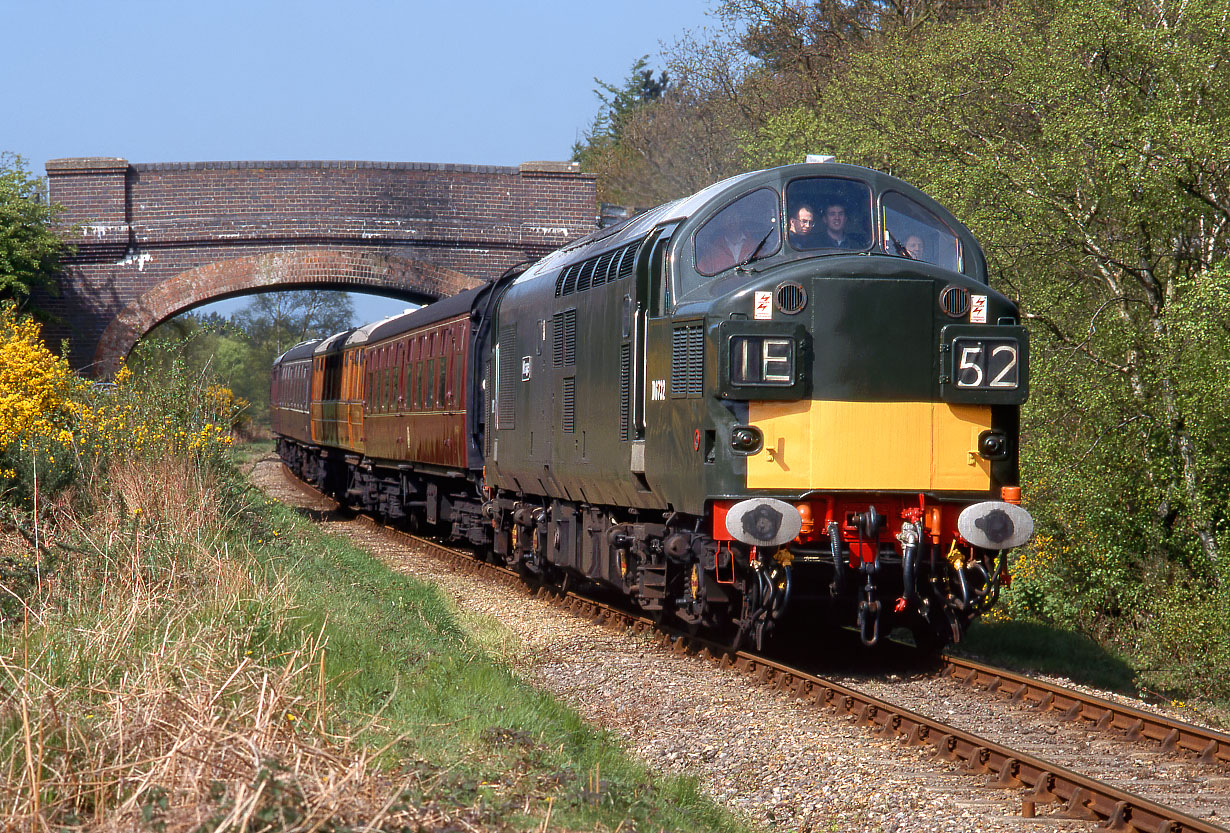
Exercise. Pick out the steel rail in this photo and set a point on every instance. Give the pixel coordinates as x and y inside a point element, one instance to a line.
<point>1208,745</point>
<point>1044,782</point>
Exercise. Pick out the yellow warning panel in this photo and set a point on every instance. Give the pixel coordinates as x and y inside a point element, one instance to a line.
<point>824,444</point>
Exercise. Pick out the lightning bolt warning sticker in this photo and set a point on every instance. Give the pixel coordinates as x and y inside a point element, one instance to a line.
<point>977,309</point>
<point>764,306</point>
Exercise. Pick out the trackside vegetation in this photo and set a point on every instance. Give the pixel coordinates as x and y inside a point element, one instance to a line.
<point>178,652</point>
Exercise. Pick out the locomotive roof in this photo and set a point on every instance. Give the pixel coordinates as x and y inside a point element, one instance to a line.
<point>720,193</point>
<point>302,350</point>
<point>630,229</point>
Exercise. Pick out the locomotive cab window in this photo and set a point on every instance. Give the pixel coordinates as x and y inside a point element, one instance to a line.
<point>828,213</point>
<point>744,231</point>
<point>912,231</point>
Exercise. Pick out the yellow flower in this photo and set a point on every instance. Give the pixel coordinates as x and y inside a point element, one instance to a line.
<point>35,384</point>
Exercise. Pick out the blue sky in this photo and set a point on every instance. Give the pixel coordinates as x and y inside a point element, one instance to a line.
<point>491,83</point>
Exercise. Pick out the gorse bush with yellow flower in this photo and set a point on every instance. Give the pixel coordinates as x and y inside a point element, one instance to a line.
<point>64,444</point>
<point>56,429</point>
<point>36,386</point>
<point>139,416</point>
<point>38,401</point>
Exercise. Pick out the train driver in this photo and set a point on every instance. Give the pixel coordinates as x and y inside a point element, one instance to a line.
<point>833,233</point>
<point>802,224</point>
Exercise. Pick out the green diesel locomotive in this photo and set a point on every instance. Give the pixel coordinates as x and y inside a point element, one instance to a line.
<point>791,391</point>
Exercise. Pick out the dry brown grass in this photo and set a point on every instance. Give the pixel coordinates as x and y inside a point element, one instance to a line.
<point>127,700</point>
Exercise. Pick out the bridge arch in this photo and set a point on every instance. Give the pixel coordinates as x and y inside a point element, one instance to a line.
<point>353,271</point>
<point>149,240</point>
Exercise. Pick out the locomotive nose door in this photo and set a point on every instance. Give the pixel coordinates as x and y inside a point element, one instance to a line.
<point>648,301</point>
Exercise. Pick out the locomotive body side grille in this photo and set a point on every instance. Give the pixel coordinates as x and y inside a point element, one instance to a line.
<point>510,364</point>
<point>570,279</point>
<point>564,338</point>
<point>604,265</point>
<point>596,271</point>
<point>625,390</point>
<point>570,404</point>
<point>587,275</point>
<point>687,361</point>
<point>628,260</point>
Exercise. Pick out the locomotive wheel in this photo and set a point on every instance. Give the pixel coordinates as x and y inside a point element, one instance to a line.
<point>695,608</point>
<point>627,569</point>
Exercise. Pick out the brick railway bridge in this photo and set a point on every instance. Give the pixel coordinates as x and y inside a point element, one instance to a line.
<point>155,240</point>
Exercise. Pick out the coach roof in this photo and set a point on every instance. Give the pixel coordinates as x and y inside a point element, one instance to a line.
<point>302,350</point>
<point>445,308</point>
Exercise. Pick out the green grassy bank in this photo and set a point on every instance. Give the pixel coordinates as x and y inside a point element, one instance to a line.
<point>179,652</point>
<point>193,654</point>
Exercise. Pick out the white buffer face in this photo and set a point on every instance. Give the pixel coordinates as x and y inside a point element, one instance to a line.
<point>763,522</point>
<point>995,525</point>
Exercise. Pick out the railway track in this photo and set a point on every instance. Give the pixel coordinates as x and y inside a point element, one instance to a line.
<point>1042,783</point>
<point>1133,724</point>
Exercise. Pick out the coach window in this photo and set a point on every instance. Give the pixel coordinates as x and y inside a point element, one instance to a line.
<point>384,378</point>
<point>402,369</point>
<point>399,370</point>
<point>403,377</point>
<point>388,380</point>
<point>440,397</point>
<point>913,231</point>
<point>450,393</point>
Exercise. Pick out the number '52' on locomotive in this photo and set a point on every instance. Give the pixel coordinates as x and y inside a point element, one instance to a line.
<point>792,392</point>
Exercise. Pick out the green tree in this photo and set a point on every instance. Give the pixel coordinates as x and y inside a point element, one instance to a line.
<point>1084,143</point>
<point>605,147</point>
<point>762,57</point>
<point>276,321</point>
<point>239,352</point>
<point>617,105</point>
<point>29,250</point>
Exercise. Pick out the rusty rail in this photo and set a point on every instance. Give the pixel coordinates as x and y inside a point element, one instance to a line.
<point>1208,745</point>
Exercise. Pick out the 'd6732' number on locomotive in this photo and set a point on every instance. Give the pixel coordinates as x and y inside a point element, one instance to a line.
<point>789,396</point>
